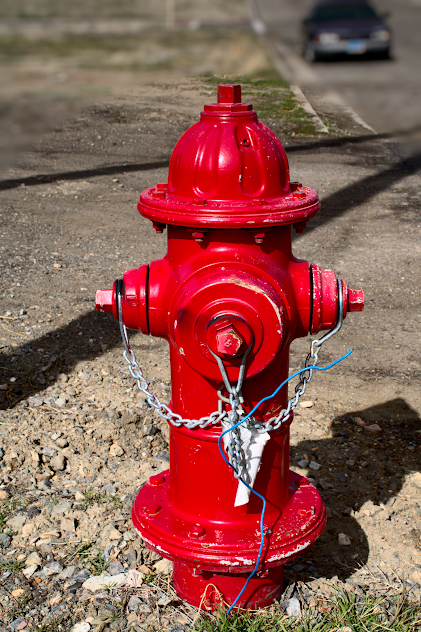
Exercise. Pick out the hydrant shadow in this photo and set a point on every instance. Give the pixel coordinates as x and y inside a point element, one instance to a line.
<point>359,469</point>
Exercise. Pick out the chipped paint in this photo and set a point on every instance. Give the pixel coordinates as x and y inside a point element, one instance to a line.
<point>283,556</point>
<point>258,290</point>
<point>181,351</point>
<point>152,544</point>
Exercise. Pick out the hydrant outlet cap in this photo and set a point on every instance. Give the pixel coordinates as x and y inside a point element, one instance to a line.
<point>228,171</point>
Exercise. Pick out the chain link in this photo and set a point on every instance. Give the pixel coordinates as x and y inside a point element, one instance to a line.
<point>235,452</point>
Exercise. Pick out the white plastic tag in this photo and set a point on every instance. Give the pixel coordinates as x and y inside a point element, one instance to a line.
<point>252,443</point>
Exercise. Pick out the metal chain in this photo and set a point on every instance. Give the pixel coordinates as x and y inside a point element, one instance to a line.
<point>235,452</point>
<point>275,422</point>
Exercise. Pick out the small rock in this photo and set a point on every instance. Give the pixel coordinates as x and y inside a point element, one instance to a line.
<point>4,495</point>
<point>67,573</point>
<point>35,401</point>
<point>28,529</point>
<point>163,566</point>
<point>314,466</point>
<point>116,450</point>
<point>62,442</point>
<point>58,463</point>
<point>68,525</point>
<point>17,624</point>
<point>342,478</point>
<point>61,508</point>
<point>28,572</point>
<point>416,480</point>
<point>110,533</point>
<point>49,452</point>
<point>303,463</point>
<point>111,545</point>
<point>162,455</point>
<point>359,422</point>
<point>131,578</point>
<point>5,540</point>
<point>416,576</point>
<point>33,558</point>
<point>35,456</point>
<point>17,522</point>
<point>110,489</point>
<point>307,404</point>
<point>56,599</point>
<point>61,401</point>
<point>79,496</point>
<point>82,626</point>
<point>293,608</point>
<point>149,429</point>
<point>44,486</point>
<point>81,576</point>
<point>53,568</point>
<point>324,484</point>
<point>18,592</point>
<point>132,557</point>
<point>373,428</point>
<point>134,603</point>
<point>343,539</point>
<point>115,568</point>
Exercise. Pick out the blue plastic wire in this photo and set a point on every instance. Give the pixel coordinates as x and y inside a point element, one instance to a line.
<point>263,499</point>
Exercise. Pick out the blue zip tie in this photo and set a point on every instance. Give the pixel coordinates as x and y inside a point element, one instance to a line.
<point>263,499</point>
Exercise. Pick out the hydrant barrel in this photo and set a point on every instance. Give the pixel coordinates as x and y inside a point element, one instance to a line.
<point>229,297</point>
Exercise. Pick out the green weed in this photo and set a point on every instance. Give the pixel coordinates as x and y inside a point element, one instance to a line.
<point>273,101</point>
<point>92,559</point>
<point>347,611</point>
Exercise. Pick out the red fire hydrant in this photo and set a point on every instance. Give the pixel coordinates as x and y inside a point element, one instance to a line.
<point>229,297</point>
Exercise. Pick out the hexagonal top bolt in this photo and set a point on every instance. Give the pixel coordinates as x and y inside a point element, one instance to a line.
<point>228,340</point>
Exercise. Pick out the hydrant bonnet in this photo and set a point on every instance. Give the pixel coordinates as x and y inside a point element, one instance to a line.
<point>228,170</point>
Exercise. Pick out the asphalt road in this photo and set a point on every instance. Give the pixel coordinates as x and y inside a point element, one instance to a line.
<point>385,93</point>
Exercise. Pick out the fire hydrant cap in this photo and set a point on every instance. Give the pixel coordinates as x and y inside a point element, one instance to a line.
<point>228,171</point>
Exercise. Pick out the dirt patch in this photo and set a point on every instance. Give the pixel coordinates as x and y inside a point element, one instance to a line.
<point>77,441</point>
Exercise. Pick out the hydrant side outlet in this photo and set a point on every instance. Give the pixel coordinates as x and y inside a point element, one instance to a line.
<point>229,297</point>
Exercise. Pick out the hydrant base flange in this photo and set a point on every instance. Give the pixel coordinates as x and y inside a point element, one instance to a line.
<point>209,591</point>
<point>220,548</point>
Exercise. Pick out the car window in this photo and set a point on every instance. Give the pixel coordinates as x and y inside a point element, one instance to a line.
<point>344,12</point>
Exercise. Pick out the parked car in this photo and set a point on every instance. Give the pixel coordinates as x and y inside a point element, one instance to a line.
<point>350,27</point>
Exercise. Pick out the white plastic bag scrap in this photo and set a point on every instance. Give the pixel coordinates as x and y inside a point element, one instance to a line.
<point>130,579</point>
<point>252,443</point>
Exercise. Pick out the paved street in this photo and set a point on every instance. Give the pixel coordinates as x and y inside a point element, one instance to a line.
<point>386,93</point>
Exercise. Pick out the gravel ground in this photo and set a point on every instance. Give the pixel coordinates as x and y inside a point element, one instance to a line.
<point>76,438</point>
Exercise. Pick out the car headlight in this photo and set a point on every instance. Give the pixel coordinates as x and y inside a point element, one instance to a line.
<point>383,35</point>
<point>327,38</point>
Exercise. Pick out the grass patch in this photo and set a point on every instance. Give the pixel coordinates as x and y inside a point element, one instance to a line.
<point>88,556</point>
<point>13,566</point>
<point>92,497</point>
<point>347,611</point>
<point>273,101</point>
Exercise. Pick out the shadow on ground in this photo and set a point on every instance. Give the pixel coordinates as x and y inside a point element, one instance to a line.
<point>358,467</point>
